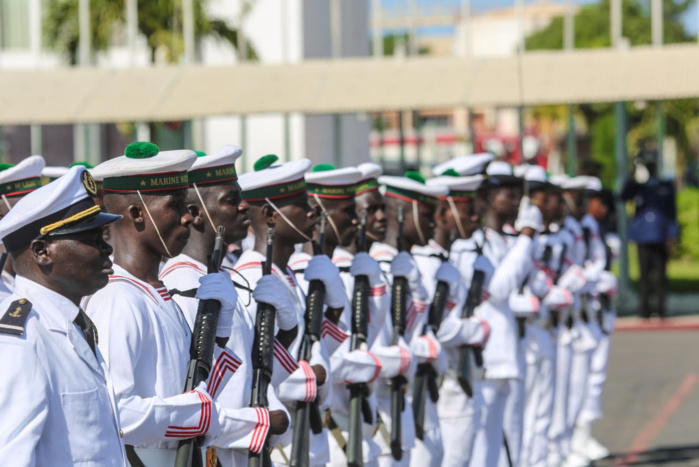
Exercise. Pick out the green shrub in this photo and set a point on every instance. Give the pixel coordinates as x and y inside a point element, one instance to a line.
<point>688,218</point>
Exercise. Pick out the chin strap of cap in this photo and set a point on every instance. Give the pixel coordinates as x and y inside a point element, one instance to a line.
<point>203,205</point>
<point>457,217</point>
<point>291,224</point>
<point>7,202</point>
<point>167,250</point>
<point>417,224</point>
<point>328,216</point>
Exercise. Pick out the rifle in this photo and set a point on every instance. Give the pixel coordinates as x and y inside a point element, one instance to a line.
<point>555,315</point>
<point>201,352</point>
<point>307,413</point>
<point>263,355</point>
<point>471,357</point>
<point>426,377</point>
<point>398,309</point>
<point>359,406</point>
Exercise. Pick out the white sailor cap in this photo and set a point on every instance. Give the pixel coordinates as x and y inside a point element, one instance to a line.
<point>593,184</point>
<point>500,174</point>
<point>326,181</point>
<point>369,179</point>
<point>460,188</point>
<point>559,179</point>
<point>52,172</point>
<point>412,187</point>
<point>578,183</point>
<point>465,165</point>
<point>215,168</point>
<point>535,175</point>
<point>59,208</point>
<point>270,181</point>
<point>145,168</point>
<point>23,178</point>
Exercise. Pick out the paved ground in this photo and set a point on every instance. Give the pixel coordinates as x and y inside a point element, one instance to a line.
<point>652,395</point>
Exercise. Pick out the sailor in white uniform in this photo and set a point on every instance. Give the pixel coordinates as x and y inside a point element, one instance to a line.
<point>214,200</point>
<point>144,334</point>
<point>56,395</point>
<point>278,196</point>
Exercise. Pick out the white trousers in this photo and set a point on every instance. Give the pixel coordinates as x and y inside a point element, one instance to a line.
<point>429,451</point>
<point>459,428</point>
<point>579,372</point>
<point>489,438</point>
<point>557,431</point>
<point>538,412</point>
<point>513,422</point>
<point>592,404</point>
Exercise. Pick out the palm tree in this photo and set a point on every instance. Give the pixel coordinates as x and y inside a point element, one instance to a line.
<point>160,21</point>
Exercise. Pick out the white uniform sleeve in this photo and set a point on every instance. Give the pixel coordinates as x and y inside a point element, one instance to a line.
<point>143,420</point>
<point>511,271</point>
<point>24,390</point>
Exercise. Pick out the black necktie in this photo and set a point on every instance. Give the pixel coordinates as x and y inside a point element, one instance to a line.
<point>88,328</point>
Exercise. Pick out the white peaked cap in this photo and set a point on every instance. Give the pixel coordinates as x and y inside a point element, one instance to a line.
<point>465,165</point>
<point>61,207</point>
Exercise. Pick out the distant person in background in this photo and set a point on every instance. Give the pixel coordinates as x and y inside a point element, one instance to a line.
<point>654,227</point>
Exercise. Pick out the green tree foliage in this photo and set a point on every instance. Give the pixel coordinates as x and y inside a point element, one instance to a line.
<point>159,21</point>
<point>688,218</point>
<point>592,30</point>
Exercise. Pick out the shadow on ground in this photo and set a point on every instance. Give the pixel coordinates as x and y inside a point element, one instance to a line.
<point>675,455</point>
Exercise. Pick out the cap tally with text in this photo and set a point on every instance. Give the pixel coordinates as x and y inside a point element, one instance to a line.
<point>60,208</point>
<point>368,180</point>
<point>145,168</point>
<point>23,178</point>
<point>270,181</point>
<point>412,187</point>
<point>325,181</point>
<point>460,188</point>
<point>215,168</point>
<point>465,165</point>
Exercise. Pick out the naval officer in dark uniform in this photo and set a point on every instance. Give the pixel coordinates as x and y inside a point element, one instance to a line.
<point>654,228</point>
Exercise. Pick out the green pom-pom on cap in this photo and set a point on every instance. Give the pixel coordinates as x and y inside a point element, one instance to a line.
<point>87,165</point>
<point>451,173</point>
<point>323,168</point>
<point>415,176</point>
<point>200,153</point>
<point>265,162</point>
<point>5,166</point>
<point>141,150</point>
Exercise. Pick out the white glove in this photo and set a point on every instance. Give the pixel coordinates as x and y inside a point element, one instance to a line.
<point>394,359</point>
<point>404,266</point>
<point>321,268</point>
<point>219,286</point>
<point>271,290</point>
<point>558,298</point>
<point>540,283</point>
<point>573,279</point>
<point>524,305</point>
<point>365,265</point>
<point>358,366</point>
<point>427,349</point>
<point>607,283</point>
<point>528,216</point>
<point>449,274</point>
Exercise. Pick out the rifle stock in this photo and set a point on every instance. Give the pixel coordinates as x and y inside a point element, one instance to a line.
<point>263,356</point>
<point>471,357</point>
<point>201,353</point>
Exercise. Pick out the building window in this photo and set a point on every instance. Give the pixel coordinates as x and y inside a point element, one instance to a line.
<point>14,24</point>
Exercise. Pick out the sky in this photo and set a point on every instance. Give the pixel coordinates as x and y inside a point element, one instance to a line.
<point>690,19</point>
